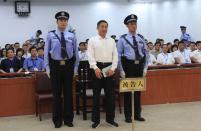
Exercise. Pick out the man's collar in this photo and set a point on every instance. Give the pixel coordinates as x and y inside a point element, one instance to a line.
<point>99,37</point>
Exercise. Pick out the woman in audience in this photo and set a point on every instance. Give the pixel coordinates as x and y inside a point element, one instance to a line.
<point>10,64</point>
<point>169,44</point>
<point>174,48</point>
<point>3,54</point>
<point>19,58</point>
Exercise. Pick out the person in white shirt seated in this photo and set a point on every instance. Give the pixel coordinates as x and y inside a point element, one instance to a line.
<point>165,58</point>
<point>152,60</point>
<point>83,52</point>
<point>192,47</point>
<point>182,55</point>
<point>196,55</point>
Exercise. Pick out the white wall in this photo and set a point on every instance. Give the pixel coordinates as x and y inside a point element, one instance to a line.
<point>157,19</point>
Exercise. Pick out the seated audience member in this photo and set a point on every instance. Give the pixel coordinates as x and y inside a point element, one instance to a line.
<point>26,51</point>
<point>34,63</point>
<point>16,46</point>
<point>161,41</point>
<point>174,48</point>
<point>3,54</point>
<point>152,60</point>
<point>165,58</point>
<point>41,53</point>
<point>19,54</point>
<point>176,41</point>
<point>169,44</point>
<point>150,46</point>
<point>7,46</point>
<point>83,52</point>
<point>182,55</point>
<point>10,64</point>
<point>192,47</point>
<point>157,49</point>
<point>196,55</point>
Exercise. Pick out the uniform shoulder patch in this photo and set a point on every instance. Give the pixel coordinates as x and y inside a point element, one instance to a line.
<point>141,36</point>
<point>51,31</point>
<point>123,35</point>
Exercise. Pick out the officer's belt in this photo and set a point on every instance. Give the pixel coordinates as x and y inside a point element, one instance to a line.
<point>61,62</point>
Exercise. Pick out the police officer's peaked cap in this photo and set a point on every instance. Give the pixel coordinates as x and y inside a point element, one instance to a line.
<point>130,18</point>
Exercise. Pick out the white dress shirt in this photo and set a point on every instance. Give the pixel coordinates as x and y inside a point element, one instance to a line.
<point>83,55</point>
<point>197,55</point>
<point>184,56</point>
<point>26,55</point>
<point>102,50</point>
<point>165,59</point>
<point>152,60</point>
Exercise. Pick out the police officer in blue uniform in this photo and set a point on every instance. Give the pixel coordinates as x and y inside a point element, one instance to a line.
<point>133,62</point>
<point>61,56</point>
<point>184,36</point>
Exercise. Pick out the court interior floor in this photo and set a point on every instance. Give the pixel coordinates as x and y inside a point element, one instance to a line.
<point>165,117</point>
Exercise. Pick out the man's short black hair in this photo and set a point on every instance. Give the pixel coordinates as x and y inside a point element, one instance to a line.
<point>102,21</point>
<point>164,45</point>
<point>150,43</point>
<point>31,48</point>
<point>40,48</point>
<point>198,42</point>
<point>10,48</point>
<point>82,43</point>
<point>157,42</point>
<point>16,43</point>
<point>181,42</point>
<point>176,40</point>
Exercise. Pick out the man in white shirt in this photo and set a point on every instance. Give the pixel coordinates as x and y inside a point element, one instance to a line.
<point>182,55</point>
<point>102,54</point>
<point>152,60</point>
<point>83,52</point>
<point>165,58</point>
<point>196,55</point>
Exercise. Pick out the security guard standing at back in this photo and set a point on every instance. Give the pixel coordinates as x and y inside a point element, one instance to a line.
<point>60,56</point>
<point>184,36</point>
<point>133,62</point>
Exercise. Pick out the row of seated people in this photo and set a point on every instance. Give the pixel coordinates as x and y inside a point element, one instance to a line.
<point>15,62</point>
<point>179,54</point>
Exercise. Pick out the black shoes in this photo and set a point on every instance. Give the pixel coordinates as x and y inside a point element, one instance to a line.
<point>128,120</point>
<point>112,123</point>
<point>139,119</point>
<point>95,125</point>
<point>69,124</point>
<point>57,124</point>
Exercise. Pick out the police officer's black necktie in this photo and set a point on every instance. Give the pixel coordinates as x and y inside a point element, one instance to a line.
<point>63,47</point>
<point>137,54</point>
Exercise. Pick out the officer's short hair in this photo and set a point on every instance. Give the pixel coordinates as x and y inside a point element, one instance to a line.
<point>101,21</point>
<point>39,32</point>
<point>31,48</point>
<point>150,43</point>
